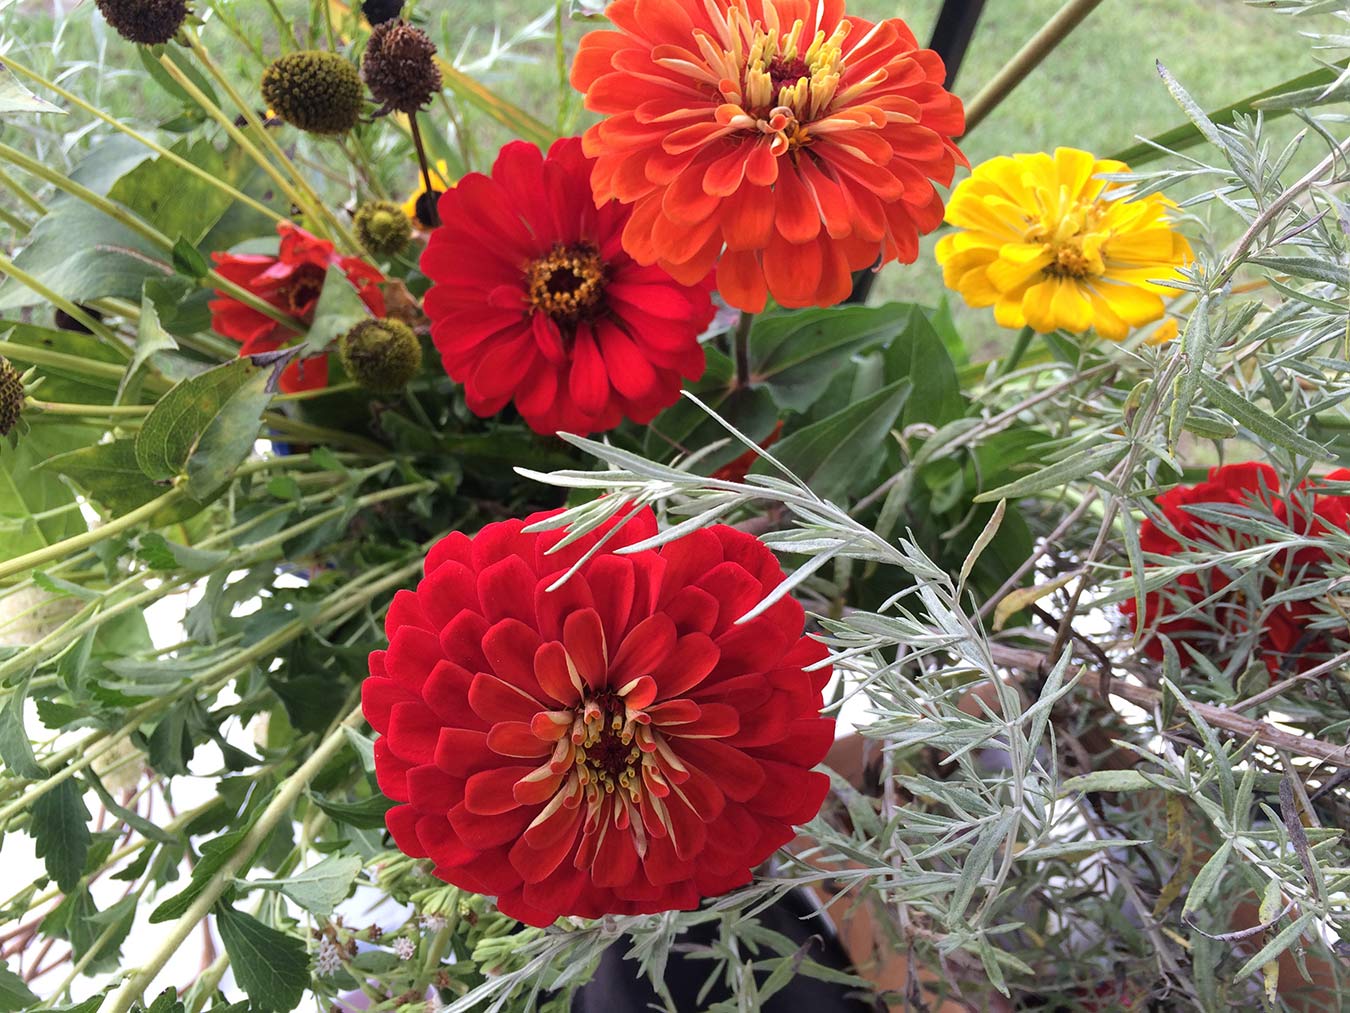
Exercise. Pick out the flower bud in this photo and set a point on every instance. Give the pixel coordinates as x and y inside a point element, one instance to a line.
<point>314,90</point>
<point>400,68</point>
<point>381,355</point>
<point>382,228</point>
<point>149,22</point>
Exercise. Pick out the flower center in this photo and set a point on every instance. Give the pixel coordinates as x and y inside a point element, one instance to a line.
<point>304,289</point>
<point>1073,235</point>
<point>607,754</point>
<point>567,282</point>
<point>773,83</point>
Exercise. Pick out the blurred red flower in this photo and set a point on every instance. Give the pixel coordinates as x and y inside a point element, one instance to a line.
<point>618,745</point>
<point>782,140</point>
<point>1286,642</point>
<point>536,302</point>
<point>291,281</point>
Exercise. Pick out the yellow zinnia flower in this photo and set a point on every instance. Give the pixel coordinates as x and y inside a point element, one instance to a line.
<point>1050,245</point>
<point>440,176</point>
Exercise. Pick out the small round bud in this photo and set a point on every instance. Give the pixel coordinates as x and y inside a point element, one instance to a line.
<point>314,90</point>
<point>377,12</point>
<point>428,212</point>
<point>381,355</point>
<point>382,228</point>
<point>11,396</point>
<point>149,22</point>
<point>400,68</point>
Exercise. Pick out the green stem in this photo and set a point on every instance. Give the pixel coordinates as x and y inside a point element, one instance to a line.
<point>21,192</point>
<point>102,411</point>
<point>278,809</point>
<point>158,149</point>
<point>117,525</point>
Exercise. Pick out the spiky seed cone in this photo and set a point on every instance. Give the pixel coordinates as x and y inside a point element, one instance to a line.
<point>149,22</point>
<point>400,68</point>
<point>382,228</point>
<point>315,91</point>
<point>377,12</point>
<point>381,355</point>
<point>11,396</point>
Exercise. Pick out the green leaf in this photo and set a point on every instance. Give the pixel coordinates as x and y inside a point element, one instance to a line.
<point>991,835</point>
<point>15,98</point>
<point>796,353</point>
<point>919,354</point>
<point>214,854</point>
<point>271,967</point>
<point>162,554</point>
<point>14,992</point>
<point>1312,268</point>
<point>60,828</point>
<point>1207,879</point>
<point>181,205</point>
<point>81,254</point>
<point>1107,780</point>
<point>204,427</point>
<point>1286,938</point>
<point>151,337</point>
<point>318,889</point>
<point>339,310</point>
<point>16,749</point>
<point>1262,424</point>
<point>1075,466</point>
<point>188,260</point>
<point>26,491</point>
<point>826,455</point>
<point>110,474</point>
<point>368,814</point>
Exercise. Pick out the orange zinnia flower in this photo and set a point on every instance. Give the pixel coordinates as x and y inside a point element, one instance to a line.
<point>781,140</point>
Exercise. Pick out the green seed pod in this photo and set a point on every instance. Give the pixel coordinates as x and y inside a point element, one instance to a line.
<point>11,396</point>
<point>316,91</point>
<point>149,22</point>
<point>381,355</point>
<point>382,228</point>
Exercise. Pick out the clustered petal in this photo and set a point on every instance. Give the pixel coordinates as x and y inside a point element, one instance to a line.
<point>783,141</point>
<point>1286,641</point>
<point>535,301</point>
<point>1049,244</point>
<point>618,745</point>
<point>292,281</point>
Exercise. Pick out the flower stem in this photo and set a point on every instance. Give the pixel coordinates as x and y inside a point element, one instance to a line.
<point>740,341</point>
<point>432,212</point>
<point>75,543</point>
<point>280,807</point>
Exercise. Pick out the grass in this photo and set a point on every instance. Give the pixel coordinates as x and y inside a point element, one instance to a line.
<point>1097,91</point>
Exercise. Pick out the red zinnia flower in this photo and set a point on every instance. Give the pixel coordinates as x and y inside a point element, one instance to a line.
<point>535,300</point>
<point>1286,640</point>
<point>802,140</point>
<point>618,745</point>
<point>291,281</point>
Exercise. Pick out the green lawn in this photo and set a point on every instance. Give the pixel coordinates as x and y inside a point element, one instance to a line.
<point>1097,91</point>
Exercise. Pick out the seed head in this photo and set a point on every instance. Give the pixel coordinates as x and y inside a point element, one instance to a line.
<point>400,68</point>
<point>377,12</point>
<point>149,22</point>
<point>11,396</point>
<point>314,90</point>
<point>381,355</point>
<point>382,228</point>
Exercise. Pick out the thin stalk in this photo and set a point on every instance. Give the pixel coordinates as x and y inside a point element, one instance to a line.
<point>21,192</point>
<point>38,356</point>
<point>36,558</point>
<point>433,212</point>
<point>157,148</point>
<point>1027,59</point>
<point>16,223</point>
<point>305,431</point>
<point>279,808</point>
<point>1019,349</point>
<point>101,411</point>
